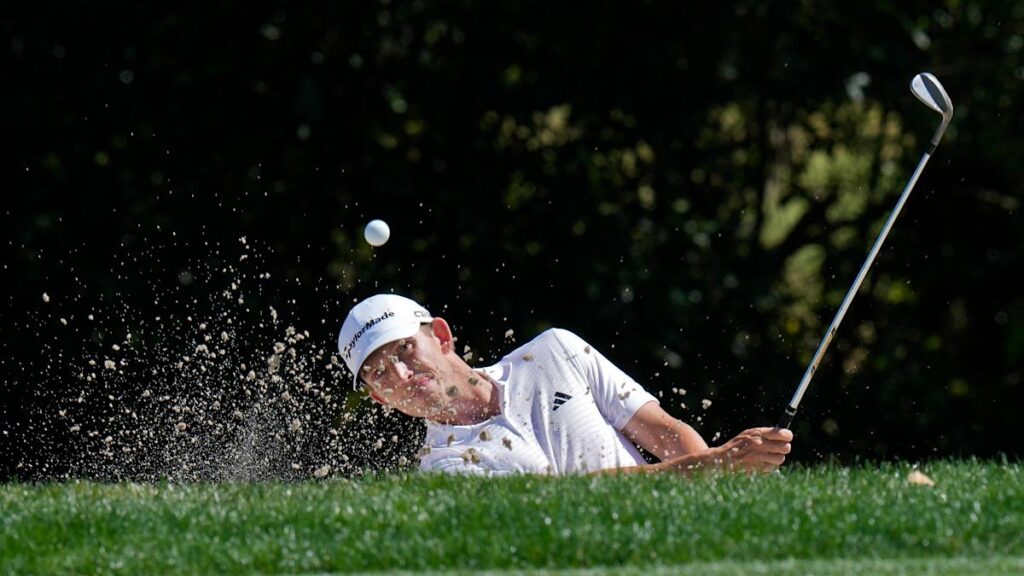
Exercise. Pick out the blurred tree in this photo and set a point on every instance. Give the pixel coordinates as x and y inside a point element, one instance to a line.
<point>691,188</point>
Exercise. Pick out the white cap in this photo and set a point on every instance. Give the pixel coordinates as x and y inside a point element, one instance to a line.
<point>374,322</point>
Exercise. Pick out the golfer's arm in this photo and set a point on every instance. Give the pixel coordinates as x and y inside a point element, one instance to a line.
<point>666,437</point>
<point>684,465</point>
<point>679,447</point>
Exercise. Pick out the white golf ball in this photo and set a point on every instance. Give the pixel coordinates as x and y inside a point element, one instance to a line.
<point>377,233</point>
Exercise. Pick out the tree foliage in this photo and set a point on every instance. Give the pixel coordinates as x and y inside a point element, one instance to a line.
<point>692,188</point>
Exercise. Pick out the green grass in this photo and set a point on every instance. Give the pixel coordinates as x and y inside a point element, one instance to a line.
<point>822,520</point>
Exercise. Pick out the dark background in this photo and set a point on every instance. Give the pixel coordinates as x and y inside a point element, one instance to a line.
<point>691,188</point>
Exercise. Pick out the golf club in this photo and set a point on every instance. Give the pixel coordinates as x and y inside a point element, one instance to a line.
<point>928,90</point>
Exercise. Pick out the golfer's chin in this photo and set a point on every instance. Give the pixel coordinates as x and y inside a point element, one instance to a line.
<point>425,403</point>
<point>440,408</point>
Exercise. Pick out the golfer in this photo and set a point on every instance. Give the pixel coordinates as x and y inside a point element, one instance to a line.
<point>552,406</point>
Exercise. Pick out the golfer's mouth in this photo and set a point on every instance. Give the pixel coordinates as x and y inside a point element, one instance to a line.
<point>420,381</point>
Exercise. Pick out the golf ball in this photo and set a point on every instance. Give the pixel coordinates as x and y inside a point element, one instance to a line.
<point>377,233</point>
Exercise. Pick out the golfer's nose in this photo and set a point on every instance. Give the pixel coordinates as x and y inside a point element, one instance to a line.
<point>401,371</point>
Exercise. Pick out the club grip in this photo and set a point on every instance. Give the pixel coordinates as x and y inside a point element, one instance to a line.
<point>787,417</point>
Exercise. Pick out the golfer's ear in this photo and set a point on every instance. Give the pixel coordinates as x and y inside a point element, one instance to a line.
<point>378,398</point>
<point>443,333</point>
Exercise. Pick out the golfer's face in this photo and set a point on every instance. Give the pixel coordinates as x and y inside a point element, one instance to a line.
<point>407,374</point>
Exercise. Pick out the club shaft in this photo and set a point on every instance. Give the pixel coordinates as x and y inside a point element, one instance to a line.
<point>787,416</point>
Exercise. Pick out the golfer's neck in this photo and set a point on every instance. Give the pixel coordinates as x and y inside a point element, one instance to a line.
<point>476,402</point>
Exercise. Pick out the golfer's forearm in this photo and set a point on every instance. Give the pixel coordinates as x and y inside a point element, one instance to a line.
<point>666,437</point>
<point>678,441</point>
<point>688,441</point>
<point>684,465</point>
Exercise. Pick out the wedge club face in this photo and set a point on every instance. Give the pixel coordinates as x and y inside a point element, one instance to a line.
<point>929,90</point>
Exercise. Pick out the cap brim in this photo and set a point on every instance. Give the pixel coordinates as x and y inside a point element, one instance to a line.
<point>396,333</point>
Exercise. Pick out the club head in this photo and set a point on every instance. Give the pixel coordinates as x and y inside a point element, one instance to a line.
<point>927,89</point>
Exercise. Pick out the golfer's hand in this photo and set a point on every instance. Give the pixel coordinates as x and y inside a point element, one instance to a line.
<point>754,450</point>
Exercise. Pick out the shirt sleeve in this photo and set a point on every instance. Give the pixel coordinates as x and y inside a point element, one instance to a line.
<point>617,395</point>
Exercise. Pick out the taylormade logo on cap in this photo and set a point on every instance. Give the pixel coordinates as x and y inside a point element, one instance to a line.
<point>374,322</point>
<point>347,352</point>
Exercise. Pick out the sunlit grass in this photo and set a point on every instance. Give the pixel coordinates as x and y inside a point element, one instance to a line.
<point>846,520</point>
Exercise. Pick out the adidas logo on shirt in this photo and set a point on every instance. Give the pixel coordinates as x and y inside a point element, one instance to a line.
<point>560,398</point>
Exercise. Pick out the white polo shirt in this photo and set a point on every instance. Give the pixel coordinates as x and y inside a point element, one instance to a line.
<point>562,406</point>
